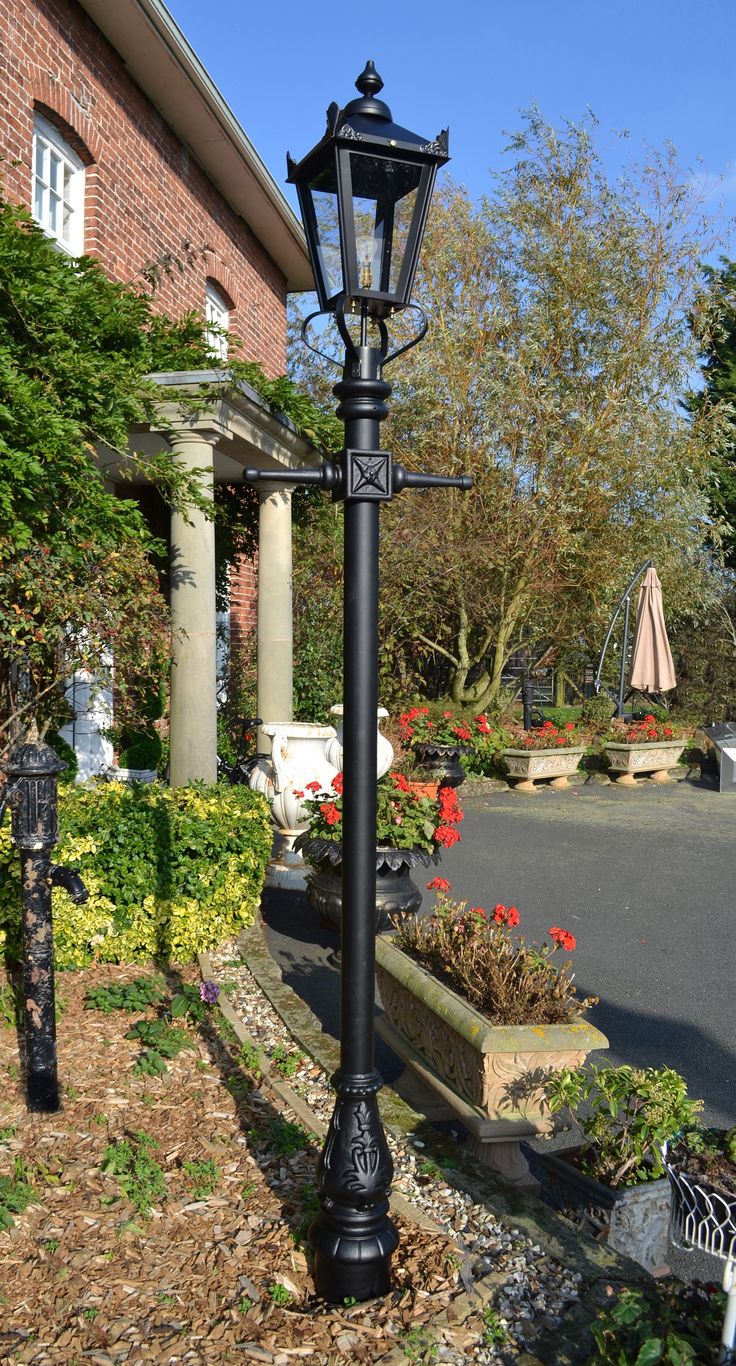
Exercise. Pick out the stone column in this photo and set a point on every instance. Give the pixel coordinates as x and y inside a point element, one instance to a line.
<point>275,628</point>
<point>193,734</point>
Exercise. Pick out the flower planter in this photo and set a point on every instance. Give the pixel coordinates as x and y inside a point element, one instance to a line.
<point>396,892</point>
<point>442,760</point>
<point>384,748</point>
<point>499,1070</point>
<point>633,1220</point>
<point>297,758</point>
<point>131,775</point>
<point>654,760</point>
<point>528,766</point>
<point>428,790</point>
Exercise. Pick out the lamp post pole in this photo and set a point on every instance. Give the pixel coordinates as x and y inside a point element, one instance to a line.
<point>374,179</point>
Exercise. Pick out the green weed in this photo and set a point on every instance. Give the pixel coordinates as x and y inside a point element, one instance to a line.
<point>288,1138</point>
<point>495,1332</point>
<point>140,1177</point>
<point>252,1058</point>
<point>285,1062</point>
<point>16,1193</point>
<point>204,1176</point>
<point>279,1294</point>
<point>133,996</point>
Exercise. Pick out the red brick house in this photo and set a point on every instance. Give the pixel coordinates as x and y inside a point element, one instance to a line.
<point>122,147</point>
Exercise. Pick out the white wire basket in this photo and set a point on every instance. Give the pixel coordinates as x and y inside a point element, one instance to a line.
<point>704,1220</point>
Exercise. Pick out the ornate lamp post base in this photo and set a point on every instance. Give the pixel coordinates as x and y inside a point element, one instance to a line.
<point>352,1242</point>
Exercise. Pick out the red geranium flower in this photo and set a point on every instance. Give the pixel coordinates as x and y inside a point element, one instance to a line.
<point>478,910</point>
<point>438,884</point>
<point>565,940</point>
<point>313,786</point>
<point>330,813</point>
<point>338,782</point>
<point>445,835</point>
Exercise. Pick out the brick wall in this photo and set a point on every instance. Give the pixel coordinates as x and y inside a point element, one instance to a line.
<point>144,193</point>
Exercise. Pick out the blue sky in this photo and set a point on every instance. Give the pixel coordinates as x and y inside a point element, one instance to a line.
<point>661,69</point>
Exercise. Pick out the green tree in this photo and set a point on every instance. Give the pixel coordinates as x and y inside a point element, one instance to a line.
<point>557,354</point>
<point>718,366</point>
<point>558,348</point>
<point>79,568</point>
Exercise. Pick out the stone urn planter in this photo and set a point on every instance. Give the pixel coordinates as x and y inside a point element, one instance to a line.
<point>529,766</point>
<point>442,761</point>
<point>131,775</point>
<point>297,758</point>
<point>396,892</point>
<point>384,748</point>
<point>654,760</point>
<point>633,1220</point>
<point>492,1076</point>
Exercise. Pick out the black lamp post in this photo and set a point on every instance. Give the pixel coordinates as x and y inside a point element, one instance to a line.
<point>364,192</point>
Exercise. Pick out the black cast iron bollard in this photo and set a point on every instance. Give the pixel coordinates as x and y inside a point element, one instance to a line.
<point>33,769</point>
<point>353,1238</point>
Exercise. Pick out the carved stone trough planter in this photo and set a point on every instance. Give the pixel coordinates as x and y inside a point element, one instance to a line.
<point>528,766</point>
<point>653,760</point>
<point>492,1076</point>
<point>633,1220</point>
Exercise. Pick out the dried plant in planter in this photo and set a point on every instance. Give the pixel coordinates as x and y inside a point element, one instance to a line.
<point>503,977</point>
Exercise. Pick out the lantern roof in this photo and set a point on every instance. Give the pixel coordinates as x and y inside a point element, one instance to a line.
<point>369,120</point>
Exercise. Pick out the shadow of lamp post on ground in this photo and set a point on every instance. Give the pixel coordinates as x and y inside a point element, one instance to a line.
<point>364,192</point>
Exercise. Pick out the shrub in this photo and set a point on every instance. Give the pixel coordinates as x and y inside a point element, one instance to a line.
<point>170,872</point>
<point>597,711</point>
<point>631,1112</point>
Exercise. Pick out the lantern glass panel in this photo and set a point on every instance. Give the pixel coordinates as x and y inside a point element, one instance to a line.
<point>323,199</point>
<point>384,199</point>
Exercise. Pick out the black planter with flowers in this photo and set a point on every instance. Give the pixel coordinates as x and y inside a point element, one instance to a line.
<point>438,744</point>
<point>397,894</point>
<point>410,829</point>
<point>442,762</point>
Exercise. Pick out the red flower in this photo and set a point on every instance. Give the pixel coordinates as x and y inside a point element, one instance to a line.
<point>668,732</point>
<point>483,724</point>
<point>652,734</point>
<point>330,813</point>
<point>649,719</point>
<point>338,783</point>
<point>506,915</point>
<point>565,940</point>
<point>569,725</point>
<point>401,781</point>
<point>548,725</point>
<point>446,714</point>
<point>478,910</point>
<point>297,792</point>
<point>445,835</point>
<point>438,884</point>
<point>313,786</point>
<point>462,732</point>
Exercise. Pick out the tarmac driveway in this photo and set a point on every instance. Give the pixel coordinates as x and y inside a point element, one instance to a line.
<point>646,880</point>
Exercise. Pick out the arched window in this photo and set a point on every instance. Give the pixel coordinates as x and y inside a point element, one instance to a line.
<point>217,315</point>
<point>58,187</point>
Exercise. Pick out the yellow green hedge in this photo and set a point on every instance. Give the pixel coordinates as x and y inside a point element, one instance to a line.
<point>170,872</point>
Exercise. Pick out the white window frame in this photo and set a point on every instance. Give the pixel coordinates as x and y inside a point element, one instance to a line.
<point>58,187</point>
<point>216,310</point>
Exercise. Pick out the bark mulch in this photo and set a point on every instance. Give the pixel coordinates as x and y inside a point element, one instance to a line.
<point>216,1270</point>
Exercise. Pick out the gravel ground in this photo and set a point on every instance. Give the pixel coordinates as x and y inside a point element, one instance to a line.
<point>531,1292</point>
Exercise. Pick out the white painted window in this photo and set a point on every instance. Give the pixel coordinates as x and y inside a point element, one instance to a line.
<point>58,187</point>
<point>217,312</point>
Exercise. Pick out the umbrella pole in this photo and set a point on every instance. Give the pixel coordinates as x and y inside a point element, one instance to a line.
<point>624,649</point>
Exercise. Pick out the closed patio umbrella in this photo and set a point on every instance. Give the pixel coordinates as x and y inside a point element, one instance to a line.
<point>652,669</point>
